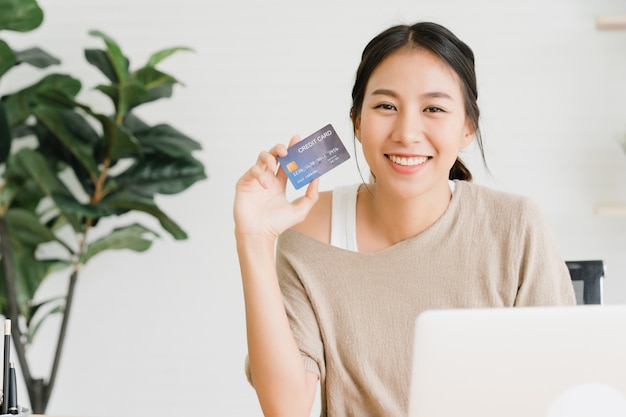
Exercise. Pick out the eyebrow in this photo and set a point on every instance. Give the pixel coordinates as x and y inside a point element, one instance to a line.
<point>432,94</point>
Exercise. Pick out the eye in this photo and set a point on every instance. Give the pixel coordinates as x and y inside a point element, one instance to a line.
<point>385,106</point>
<point>433,109</point>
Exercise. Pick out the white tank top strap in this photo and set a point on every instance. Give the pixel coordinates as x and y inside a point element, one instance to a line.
<point>343,217</point>
<point>343,221</point>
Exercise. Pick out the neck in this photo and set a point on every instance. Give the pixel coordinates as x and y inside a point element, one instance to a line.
<point>385,218</point>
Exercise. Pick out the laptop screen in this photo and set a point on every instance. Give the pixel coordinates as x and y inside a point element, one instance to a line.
<point>525,361</point>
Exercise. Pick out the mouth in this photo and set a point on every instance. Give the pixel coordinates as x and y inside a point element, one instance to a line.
<point>408,161</point>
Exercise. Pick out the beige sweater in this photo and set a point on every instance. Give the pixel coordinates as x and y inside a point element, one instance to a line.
<point>352,314</point>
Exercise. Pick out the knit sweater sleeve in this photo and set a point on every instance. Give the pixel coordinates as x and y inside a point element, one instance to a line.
<point>290,265</point>
<point>543,275</point>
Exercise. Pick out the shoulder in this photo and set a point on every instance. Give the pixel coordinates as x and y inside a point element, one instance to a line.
<point>490,197</point>
<point>317,222</point>
<point>496,204</point>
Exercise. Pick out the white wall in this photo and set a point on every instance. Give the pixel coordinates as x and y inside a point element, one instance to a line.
<point>163,332</point>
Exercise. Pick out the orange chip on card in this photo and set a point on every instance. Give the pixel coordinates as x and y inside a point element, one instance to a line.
<point>292,166</point>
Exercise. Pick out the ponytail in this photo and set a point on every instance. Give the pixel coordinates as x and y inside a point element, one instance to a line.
<point>459,171</point>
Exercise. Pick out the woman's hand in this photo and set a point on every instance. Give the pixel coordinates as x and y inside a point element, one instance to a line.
<point>261,207</point>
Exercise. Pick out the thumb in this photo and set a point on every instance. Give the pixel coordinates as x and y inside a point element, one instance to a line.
<point>304,204</point>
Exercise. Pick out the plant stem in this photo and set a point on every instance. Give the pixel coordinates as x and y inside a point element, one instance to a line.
<point>62,331</point>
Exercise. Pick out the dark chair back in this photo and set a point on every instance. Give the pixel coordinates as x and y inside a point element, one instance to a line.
<point>587,279</point>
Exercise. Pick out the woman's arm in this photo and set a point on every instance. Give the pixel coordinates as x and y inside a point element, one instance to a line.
<point>261,213</point>
<point>283,386</point>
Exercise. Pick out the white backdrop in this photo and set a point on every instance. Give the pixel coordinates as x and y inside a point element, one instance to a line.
<point>163,332</point>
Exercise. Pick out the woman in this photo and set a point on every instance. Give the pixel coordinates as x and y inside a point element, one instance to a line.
<point>355,266</point>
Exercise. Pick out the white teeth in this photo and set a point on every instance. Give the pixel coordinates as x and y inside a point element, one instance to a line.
<point>411,161</point>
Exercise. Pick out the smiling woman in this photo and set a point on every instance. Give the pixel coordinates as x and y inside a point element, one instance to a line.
<point>356,265</point>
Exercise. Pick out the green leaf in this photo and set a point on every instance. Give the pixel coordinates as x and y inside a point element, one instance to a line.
<point>20,190</point>
<point>37,58</point>
<point>159,56</point>
<point>58,99</point>
<point>20,15</point>
<point>114,53</point>
<point>99,59</point>
<point>59,82</point>
<point>134,237</point>
<point>5,135</point>
<point>153,85</point>
<point>118,142</point>
<point>25,226</point>
<point>31,272</point>
<point>111,92</point>
<point>165,139</point>
<point>62,161</point>
<point>130,95</point>
<point>34,326</point>
<point>21,131</point>
<point>32,165</point>
<point>77,124</point>
<point>162,175</point>
<point>7,58</point>
<point>134,124</point>
<point>56,302</point>
<point>125,200</point>
<point>68,204</point>
<point>8,191</point>
<point>122,97</point>
<point>72,132</point>
<point>19,105</point>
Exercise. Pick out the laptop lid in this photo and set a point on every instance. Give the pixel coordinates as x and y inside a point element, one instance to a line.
<point>524,361</point>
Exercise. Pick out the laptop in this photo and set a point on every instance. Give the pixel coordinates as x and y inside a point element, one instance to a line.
<point>523,361</point>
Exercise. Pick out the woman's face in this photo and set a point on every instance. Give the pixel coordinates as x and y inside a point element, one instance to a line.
<point>412,123</point>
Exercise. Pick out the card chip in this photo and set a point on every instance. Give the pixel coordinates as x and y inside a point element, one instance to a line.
<point>292,166</point>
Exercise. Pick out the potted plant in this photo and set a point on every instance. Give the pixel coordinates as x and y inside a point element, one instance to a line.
<point>64,167</point>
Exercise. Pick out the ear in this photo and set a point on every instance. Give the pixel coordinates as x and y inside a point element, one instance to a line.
<point>468,134</point>
<point>357,128</point>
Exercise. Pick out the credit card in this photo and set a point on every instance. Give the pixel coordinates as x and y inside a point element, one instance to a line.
<point>313,156</point>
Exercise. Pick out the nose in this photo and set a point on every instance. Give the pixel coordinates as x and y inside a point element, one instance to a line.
<point>408,128</point>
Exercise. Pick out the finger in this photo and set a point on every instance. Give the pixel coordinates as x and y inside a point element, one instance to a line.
<point>276,151</point>
<point>279,150</point>
<point>260,175</point>
<point>267,161</point>
<point>312,189</point>
<point>281,175</point>
<point>283,152</point>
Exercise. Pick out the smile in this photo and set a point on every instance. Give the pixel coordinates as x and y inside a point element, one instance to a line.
<point>408,161</point>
